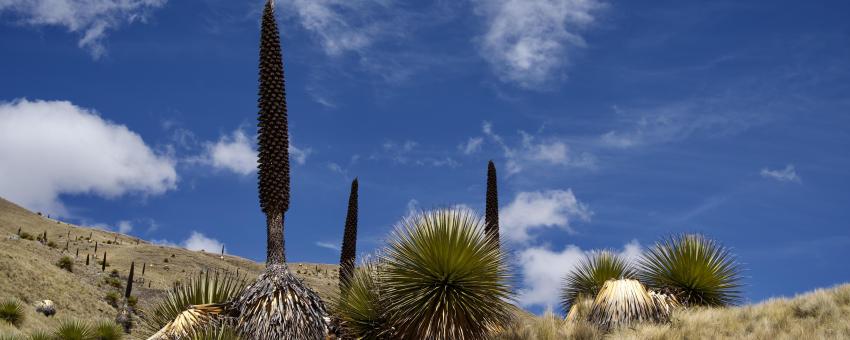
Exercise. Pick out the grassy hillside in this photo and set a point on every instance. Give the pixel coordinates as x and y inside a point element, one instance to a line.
<point>29,273</point>
<point>822,314</point>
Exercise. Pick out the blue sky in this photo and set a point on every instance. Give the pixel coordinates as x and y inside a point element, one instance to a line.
<point>612,124</point>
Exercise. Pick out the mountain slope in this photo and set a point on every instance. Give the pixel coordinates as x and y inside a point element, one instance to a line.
<point>28,269</point>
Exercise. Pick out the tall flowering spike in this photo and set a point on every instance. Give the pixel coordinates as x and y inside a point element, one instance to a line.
<point>278,305</point>
<point>491,214</point>
<point>349,241</point>
<point>130,281</point>
<point>273,140</point>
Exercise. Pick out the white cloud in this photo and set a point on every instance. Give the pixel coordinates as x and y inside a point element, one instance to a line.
<point>299,155</point>
<point>527,42</point>
<point>543,271</point>
<point>238,154</point>
<point>328,245</point>
<point>235,153</point>
<point>198,241</point>
<point>49,148</point>
<point>125,227</point>
<point>90,18</point>
<point>530,151</point>
<point>789,174</point>
<point>471,146</point>
<point>340,25</point>
<point>530,211</point>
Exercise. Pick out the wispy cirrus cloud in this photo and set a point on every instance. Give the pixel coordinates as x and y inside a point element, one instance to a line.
<point>529,42</point>
<point>788,174</point>
<point>535,150</point>
<point>92,19</point>
<point>327,245</point>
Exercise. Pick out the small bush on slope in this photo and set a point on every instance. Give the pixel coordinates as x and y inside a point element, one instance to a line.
<point>12,312</point>
<point>67,263</point>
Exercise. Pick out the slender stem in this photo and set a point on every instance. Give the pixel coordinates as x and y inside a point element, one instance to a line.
<point>275,253</point>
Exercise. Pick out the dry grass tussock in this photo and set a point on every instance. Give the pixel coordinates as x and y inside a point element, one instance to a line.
<point>821,314</point>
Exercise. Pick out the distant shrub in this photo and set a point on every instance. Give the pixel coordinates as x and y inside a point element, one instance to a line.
<point>165,260</point>
<point>27,236</point>
<point>52,244</point>
<point>132,301</point>
<point>113,281</point>
<point>67,263</point>
<point>106,330</point>
<point>12,312</point>
<point>112,299</point>
<point>114,273</point>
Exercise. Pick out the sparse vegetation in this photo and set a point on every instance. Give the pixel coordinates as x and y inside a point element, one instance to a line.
<point>12,311</point>
<point>112,298</point>
<point>27,236</point>
<point>67,263</point>
<point>112,282</point>
<point>106,330</point>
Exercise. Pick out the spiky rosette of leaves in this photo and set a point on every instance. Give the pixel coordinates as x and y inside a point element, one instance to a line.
<point>591,273</point>
<point>192,306</point>
<point>361,308</point>
<point>279,306</point>
<point>71,329</point>
<point>349,241</point>
<point>623,302</point>
<point>491,214</point>
<point>696,270</point>
<point>444,278</point>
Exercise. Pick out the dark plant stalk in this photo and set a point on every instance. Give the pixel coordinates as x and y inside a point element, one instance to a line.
<point>491,217</point>
<point>349,240</point>
<point>95,247</point>
<point>144,266</point>
<point>78,253</point>
<point>87,259</point>
<point>103,265</point>
<point>19,231</point>
<point>130,281</point>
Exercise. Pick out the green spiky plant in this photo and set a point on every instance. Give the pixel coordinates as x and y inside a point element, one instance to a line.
<point>73,330</point>
<point>40,335</point>
<point>12,311</point>
<point>444,278</point>
<point>205,295</point>
<point>588,277</point>
<point>106,330</point>
<point>349,241</point>
<point>696,270</point>
<point>361,307</point>
<point>491,210</point>
<point>278,305</point>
